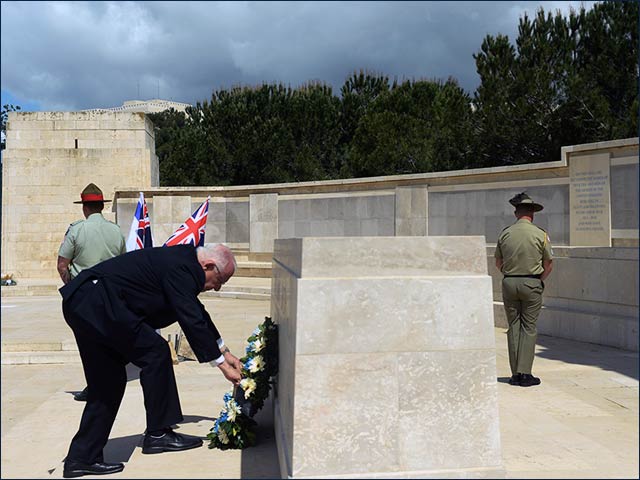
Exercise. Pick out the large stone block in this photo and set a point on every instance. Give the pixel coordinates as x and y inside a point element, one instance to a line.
<point>378,353</point>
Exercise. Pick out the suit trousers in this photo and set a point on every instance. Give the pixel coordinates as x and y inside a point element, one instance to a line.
<point>522,299</point>
<point>106,344</point>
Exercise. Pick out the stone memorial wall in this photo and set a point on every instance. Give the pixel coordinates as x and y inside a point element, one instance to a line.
<point>52,156</point>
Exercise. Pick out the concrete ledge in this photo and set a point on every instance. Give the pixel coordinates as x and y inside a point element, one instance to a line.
<point>617,331</point>
<point>31,358</point>
<point>30,290</point>
<point>254,269</point>
<point>240,295</point>
<point>39,347</point>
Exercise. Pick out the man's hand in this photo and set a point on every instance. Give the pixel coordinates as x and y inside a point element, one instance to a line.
<point>547,265</point>
<point>232,360</point>
<point>230,372</point>
<point>63,269</point>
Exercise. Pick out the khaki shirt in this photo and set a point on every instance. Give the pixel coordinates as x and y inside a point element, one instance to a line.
<point>522,247</point>
<point>88,242</point>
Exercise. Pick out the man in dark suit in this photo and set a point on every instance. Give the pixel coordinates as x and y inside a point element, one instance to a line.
<point>113,309</point>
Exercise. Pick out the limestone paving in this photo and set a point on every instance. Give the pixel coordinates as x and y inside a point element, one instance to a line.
<point>581,422</point>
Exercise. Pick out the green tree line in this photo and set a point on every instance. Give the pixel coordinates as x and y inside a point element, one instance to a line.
<point>567,80</point>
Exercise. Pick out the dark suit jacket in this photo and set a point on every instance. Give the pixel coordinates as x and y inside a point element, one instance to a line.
<point>157,286</point>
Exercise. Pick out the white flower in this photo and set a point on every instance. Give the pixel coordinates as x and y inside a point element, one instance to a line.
<point>248,385</point>
<point>256,331</point>
<point>222,435</point>
<point>232,410</point>
<point>256,364</point>
<point>257,345</point>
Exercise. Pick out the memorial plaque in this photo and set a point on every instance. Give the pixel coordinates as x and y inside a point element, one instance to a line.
<point>590,201</point>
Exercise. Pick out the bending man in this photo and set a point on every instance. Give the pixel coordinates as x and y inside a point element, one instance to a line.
<point>113,309</point>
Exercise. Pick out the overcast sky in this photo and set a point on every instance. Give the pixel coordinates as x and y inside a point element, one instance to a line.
<point>77,55</point>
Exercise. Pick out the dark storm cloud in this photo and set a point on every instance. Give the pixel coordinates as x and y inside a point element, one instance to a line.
<point>67,56</point>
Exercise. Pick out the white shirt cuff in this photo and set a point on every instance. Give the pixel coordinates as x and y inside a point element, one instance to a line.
<point>217,361</point>
<point>220,359</point>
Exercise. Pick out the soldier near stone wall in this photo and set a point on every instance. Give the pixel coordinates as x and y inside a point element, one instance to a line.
<point>525,258</point>
<point>89,242</point>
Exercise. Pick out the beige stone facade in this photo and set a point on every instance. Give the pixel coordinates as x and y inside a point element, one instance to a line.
<point>50,158</point>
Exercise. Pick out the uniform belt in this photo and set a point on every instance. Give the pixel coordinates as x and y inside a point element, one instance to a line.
<point>523,276</point>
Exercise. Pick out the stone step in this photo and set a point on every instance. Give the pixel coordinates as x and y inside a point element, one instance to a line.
<point>254,269</point>
<point>37,357</point>
<point>238,295</point>
<point>40,347</point>
<point>253,257</point>
<point>28,290</point>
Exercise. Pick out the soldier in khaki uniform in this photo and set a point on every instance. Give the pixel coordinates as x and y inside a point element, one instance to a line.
<point>524,256</point>
<point>89,242</point>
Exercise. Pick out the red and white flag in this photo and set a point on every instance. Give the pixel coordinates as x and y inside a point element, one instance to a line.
<point>192,230</point>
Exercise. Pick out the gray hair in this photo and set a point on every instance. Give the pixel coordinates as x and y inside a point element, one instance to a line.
<point>219,253</point>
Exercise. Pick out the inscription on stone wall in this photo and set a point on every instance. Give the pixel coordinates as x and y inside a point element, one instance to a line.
<point>590,201</point>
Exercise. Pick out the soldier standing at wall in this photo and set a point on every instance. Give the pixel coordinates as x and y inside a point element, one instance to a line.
<point>89,242</point>
<point>524,256</point>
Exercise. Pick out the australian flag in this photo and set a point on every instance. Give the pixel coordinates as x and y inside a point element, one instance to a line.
<point>140,233</point>
<point>192,230</point>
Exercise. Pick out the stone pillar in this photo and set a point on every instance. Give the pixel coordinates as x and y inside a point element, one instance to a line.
<point>411,211</point>
<point>263,222</point>
<point>387,361</point>
<point>169,212</point>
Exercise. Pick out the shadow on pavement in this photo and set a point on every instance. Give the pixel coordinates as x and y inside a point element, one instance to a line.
<point>613,359</point>
<point>196,419</point>
<point>261,460</point>
<point>133,373</point>
<point>120,449</point>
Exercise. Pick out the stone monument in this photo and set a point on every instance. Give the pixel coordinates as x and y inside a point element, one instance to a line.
<point>50,158</point>
<point>387,358</point>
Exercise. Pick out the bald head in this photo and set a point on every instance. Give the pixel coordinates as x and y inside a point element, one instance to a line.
<point>218,263</point>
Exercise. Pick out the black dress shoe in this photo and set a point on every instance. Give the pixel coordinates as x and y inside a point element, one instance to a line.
<point>77,469</point>
<point>170,441</point>
<point>515,379</point>
<point>82,396</point>
<point>528,380</point>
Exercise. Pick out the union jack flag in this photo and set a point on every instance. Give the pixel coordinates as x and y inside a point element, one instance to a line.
<point>192,230</point>
<point>140,233</point>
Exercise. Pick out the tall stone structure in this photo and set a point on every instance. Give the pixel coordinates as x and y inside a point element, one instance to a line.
<point>387,363</point>
<point>50,157</point>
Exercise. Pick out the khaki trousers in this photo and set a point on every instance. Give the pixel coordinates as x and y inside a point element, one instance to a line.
<point>522,299</point>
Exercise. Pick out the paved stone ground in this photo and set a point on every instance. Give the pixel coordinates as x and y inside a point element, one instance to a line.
<point>582,422</point>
